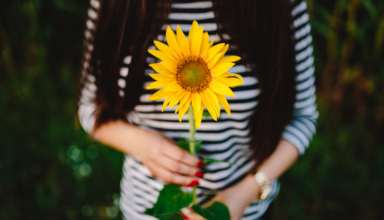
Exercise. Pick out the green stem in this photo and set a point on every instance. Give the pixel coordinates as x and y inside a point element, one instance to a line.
<point>192,146</point>
<point>192,132</point>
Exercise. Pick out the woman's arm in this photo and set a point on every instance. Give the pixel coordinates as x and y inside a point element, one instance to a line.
<point>298,133</point>
<point>300,130</point>
<point>274,166</point>
<point>239,196</point>
<point>164,159</point>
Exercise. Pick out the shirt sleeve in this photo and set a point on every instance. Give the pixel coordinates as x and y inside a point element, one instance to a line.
<point>87,99</point>
<point>86,102</point>
<point>302,127</point>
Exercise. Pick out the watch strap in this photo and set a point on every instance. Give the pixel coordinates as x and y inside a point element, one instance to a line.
<point>264,183</point>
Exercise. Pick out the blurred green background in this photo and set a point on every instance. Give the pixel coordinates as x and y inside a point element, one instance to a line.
<point>50,169</point>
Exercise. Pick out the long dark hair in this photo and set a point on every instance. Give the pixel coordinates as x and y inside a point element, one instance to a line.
<point>261,29</point>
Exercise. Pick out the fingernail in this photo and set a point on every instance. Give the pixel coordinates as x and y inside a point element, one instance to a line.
<point>185,217</point>
<point>200,164</point>
<point>193,183</point>
<point>199,174</point>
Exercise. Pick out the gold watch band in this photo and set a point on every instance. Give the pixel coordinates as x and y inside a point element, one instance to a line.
<point>264,183</point>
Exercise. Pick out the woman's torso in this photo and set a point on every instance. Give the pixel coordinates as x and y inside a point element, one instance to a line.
<point>226,139</point>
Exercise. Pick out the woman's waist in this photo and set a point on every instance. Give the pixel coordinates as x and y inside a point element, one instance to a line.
<point>217,176</point>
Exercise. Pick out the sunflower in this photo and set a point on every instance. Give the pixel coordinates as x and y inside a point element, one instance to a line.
<point>193,72</point>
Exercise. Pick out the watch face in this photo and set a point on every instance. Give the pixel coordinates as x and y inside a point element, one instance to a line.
<point>265,192</point>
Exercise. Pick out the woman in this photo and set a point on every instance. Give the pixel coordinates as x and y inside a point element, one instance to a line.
<point>273,114</point>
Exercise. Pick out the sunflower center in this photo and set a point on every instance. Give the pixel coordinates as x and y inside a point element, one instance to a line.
<point>193,75</point>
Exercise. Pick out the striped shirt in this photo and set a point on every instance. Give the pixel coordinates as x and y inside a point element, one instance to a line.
<point>227,139</point>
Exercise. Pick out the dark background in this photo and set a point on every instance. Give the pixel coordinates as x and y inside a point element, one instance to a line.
<point>50,169</point>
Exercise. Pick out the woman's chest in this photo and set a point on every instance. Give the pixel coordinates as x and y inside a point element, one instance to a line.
<point>183,12</point>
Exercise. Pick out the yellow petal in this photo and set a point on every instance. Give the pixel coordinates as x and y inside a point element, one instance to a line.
<point>214,50</point>
<point>215,60</point>
<point>165,49</point>
<point>210,101</point>
<point>223,101</point>
<point>176,98</point>
<point>204,46</point>
<point>172,41</point>
<point>161,46</point>
<point>159,95</point>
<point>221,68</point>
<point>220,88</point>
<point>215,102</point>
<point>183,100</point>
<point>195,37</point>
<point>155,85</point>
<point>171,66</point>
<point>231,80</point>
<point>165,104</point>
<point>162,77</point>
<point>233,75</point>
<point>172,87</point>
<point>162,56</point>
<point>182,40</point>
<point>197,111</point>
<point>183,107</point>
<point>225,48</point>
<point>160,68</point>
<point>230,59</point>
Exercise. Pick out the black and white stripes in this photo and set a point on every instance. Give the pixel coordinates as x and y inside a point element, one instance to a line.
<point>302,128</point>
<point>87,105</point>
<point>228,139</point>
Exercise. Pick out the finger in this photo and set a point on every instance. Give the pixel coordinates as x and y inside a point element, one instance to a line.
<point>178,154</point>
<point>152,167</point>
<point>170,177</point>
<point>179,167</point>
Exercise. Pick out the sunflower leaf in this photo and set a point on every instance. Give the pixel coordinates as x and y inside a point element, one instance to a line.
<point>208,160</point>
<point>184,144</point>
<point>198,145</point>
<point>169,203</point>
<point>216,211</point>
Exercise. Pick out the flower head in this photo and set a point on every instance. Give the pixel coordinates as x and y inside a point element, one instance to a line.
<point>193,72</point>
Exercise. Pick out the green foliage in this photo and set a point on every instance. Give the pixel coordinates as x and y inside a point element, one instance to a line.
<point>172,198</point>
<point>183,143</point>
<point>49,169</point>
<point>216,211</point>
<point>338,176</point>
<point>170,201</point>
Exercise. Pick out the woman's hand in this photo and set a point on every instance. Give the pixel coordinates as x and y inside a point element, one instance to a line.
<point>237,198</point>
<point>167,161</point>
<point>161,155</point>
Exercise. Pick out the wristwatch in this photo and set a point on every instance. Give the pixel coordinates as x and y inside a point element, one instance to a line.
<point>264,183</point>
